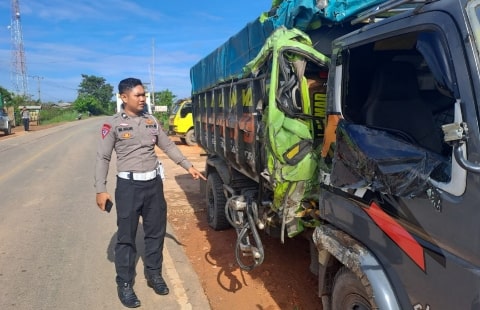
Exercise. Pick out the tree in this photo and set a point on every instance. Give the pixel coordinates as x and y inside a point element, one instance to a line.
<point>88,103</point>
<point>94,87</point>
<point>19,101</point>
<point>6,96</point>
<point>165,97</point>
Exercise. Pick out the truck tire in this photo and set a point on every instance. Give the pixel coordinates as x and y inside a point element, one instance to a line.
<point>190,138</point>
<point>216,203</point>
<point>349,292</point>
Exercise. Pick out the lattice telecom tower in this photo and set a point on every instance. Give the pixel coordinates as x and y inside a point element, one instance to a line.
<point>19,65</point>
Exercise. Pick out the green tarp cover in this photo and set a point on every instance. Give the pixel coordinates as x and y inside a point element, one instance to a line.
<point>227,61</point>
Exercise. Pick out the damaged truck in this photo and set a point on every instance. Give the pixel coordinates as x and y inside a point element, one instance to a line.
<point>355,124</point>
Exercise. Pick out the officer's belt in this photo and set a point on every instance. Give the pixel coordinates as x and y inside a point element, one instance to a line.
<point>139,176</point>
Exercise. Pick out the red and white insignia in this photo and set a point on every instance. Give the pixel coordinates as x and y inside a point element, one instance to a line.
<point>105,130</point>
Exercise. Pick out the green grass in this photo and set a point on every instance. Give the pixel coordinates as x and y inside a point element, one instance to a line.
<point>53,115</point>
<point>57,116</point>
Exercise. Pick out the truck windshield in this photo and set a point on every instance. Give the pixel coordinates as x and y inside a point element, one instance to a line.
<point>175,108</point>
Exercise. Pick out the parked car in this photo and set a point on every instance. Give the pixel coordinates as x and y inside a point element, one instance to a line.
<point>5,123</point>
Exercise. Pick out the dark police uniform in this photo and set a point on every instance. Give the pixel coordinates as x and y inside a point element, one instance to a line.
<point>139,190</point>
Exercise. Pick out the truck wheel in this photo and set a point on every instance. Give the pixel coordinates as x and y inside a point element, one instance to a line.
<point>190,138</point>
<point>349,292</point>
<point>216,203</point>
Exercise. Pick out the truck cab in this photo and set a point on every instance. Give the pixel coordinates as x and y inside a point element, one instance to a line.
<point>401,186</point>
<point>180,122</point>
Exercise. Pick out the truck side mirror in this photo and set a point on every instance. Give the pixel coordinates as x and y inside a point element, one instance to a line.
<point>456,134</point>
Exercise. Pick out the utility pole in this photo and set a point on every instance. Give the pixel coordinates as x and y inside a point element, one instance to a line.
<point>19,64</point>
<point>38,84</point>
<point>152,78</point>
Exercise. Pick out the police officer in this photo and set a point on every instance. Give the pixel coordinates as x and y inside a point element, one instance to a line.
<point>133,135</point>
<point>25,114</point>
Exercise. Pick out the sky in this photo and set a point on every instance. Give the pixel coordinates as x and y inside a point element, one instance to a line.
<point>157,41</point>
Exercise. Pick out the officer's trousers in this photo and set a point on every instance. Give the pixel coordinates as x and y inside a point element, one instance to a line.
<point>26,124</point>
<point>134,199</point>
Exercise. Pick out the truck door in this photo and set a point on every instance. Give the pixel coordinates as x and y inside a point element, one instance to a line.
<point>404,196</point>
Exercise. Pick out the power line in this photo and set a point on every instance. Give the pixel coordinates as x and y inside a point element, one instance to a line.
<point>38,84</point>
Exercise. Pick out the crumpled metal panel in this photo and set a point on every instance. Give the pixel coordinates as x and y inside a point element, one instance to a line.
<point>366,157</point>
<point>291,158</point>
<point>292,182</point>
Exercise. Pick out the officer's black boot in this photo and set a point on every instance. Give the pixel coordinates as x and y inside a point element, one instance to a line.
<point>158,284</point>
<point>127,296</point>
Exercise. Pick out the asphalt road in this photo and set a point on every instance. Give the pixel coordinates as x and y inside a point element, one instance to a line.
<point>56,246</point>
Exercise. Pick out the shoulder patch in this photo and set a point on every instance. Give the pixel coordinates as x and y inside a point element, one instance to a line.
<point>105,130</point>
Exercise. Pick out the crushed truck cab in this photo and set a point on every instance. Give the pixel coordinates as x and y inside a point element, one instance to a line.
<point>357,128</point>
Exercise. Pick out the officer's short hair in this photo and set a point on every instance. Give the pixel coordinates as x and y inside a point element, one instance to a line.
<point>128,84</point>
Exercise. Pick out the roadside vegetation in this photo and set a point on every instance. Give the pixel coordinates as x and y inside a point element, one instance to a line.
<point>95,97</point>
<point>52,115</point>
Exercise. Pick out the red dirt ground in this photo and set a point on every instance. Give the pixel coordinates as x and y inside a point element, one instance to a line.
<point>283,281</point>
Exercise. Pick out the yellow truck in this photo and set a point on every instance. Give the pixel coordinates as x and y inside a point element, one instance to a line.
<point>180,122</point>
